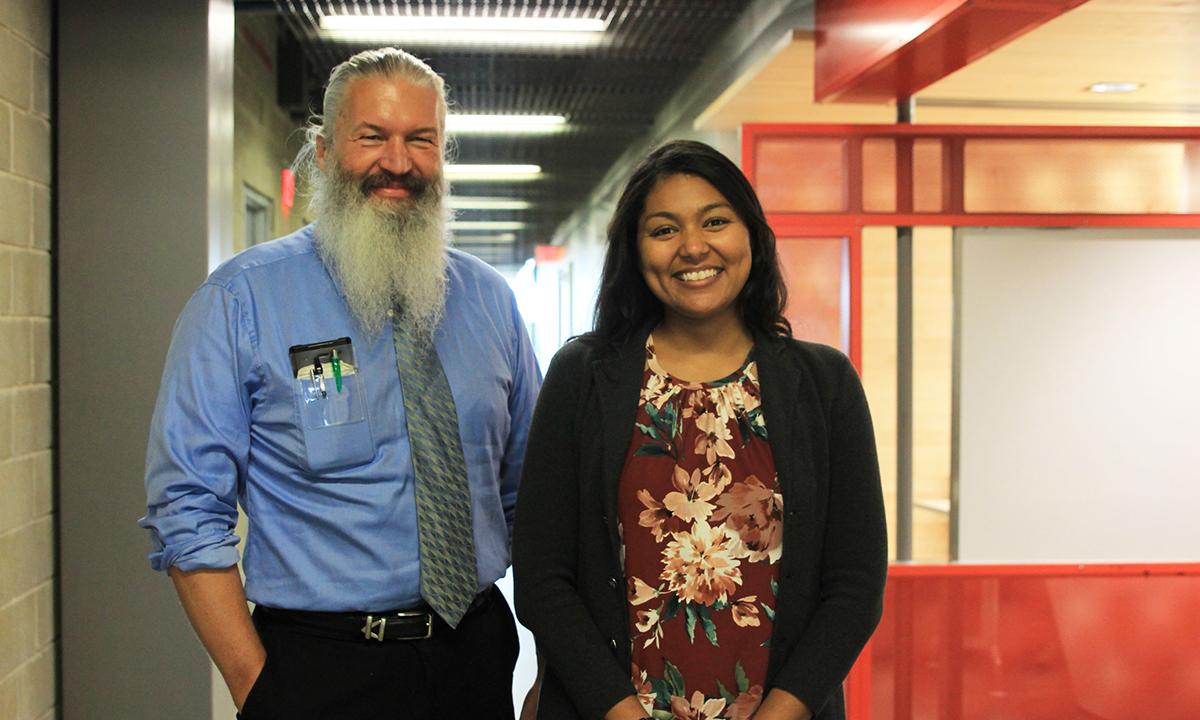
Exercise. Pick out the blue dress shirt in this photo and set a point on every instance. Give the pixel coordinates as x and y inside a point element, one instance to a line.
<point>331,508</point>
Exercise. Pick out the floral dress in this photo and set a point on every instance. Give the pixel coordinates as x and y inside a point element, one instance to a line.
<point>702,526</point>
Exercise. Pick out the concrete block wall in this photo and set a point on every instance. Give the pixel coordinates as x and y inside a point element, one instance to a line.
<point>27,582</point>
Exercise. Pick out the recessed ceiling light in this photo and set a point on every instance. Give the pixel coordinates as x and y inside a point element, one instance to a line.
<point>489,173</point>
<point>462,202</point>
<point>464,30</point>
<point>504,124</point>
<point>487,225</point>
<point>1114,87</point>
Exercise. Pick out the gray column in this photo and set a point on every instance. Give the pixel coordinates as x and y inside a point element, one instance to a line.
<point>904,339</point>
<point>144,145</point>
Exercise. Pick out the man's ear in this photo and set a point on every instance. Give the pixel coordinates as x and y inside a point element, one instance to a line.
<point>320,151</point>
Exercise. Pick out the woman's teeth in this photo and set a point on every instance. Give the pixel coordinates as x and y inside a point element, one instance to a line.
<point>698,274</point>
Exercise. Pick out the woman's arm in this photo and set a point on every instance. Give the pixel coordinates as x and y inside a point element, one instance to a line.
<point>854,554</point>
<point>546,543</point>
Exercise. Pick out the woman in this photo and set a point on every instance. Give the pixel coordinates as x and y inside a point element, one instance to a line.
<point>700,528</point>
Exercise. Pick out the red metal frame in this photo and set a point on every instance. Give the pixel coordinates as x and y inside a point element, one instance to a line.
<point>789,226</point>
<point>749,130</point>
<point>942,36</point>
<point>856,218</point>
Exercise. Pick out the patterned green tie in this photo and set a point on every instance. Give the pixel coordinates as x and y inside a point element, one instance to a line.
<point>444,530</point>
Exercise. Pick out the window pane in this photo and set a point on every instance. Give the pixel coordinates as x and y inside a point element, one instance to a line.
<point>879,174</point>
<point>1063,175</point>
<point>927,175</point>
<point>259,216</point>
<point>801,174</point>
<point>816,271</point>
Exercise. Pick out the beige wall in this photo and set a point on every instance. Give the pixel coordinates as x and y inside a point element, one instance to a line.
<point>265,139</point>
<point>27,628</point>
<point>933,315</point>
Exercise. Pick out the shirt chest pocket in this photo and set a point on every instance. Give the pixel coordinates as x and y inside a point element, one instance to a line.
<point>331,402</point>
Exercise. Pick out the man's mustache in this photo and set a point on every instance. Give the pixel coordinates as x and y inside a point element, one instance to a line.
<point>414,184</point>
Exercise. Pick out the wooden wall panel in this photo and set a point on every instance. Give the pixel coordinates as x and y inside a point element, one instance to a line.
<point>879,356</point>
<point>932,326</point>
<point>933,314</point>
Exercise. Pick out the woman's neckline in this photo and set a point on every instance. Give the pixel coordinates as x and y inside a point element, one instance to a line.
<point>725,379</point>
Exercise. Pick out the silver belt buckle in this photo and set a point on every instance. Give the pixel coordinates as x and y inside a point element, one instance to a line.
<point>373,629</point>
<point>428,622</point>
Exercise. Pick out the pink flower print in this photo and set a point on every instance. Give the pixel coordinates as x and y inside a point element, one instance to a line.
<point>745,612</point>
<point>697,708</point>
<point>698,565</point>
<point>689,501</point>
<point>657,518</point>
<point>714,437</point>
<point>640,592</point>
<point>746,704</point>
<point>754,514</point>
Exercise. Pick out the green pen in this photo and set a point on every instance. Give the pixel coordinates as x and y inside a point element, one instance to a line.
<point>337,370</point>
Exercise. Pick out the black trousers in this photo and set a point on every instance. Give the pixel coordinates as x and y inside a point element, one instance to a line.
<point>464,672</point>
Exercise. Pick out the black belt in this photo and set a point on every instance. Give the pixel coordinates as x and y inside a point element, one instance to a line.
<point>419,623</point>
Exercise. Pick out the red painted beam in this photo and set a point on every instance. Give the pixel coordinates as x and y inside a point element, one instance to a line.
<point>883,50</point>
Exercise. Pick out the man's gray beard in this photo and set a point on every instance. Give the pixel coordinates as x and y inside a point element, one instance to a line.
<point>382,256</point>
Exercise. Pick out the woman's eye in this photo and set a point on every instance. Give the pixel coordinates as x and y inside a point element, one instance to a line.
<point>661,231</point>
<point>716,222</point>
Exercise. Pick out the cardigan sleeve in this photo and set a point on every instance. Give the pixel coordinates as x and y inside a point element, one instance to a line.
<point>853,556</point>
<point>546,542</point>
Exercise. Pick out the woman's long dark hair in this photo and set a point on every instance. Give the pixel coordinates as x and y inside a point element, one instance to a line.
<point>625,303</point>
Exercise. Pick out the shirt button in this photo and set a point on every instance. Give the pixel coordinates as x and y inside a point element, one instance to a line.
<point>613,643</point>
<point>391,313</point>
<point>612,583</point>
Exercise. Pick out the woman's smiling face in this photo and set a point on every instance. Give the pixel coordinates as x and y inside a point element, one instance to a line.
<point>693,249</point>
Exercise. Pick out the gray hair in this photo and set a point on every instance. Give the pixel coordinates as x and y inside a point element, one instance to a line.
<point>389,62</point>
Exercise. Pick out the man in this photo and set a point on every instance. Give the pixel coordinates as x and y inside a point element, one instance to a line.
<point>365,393</point>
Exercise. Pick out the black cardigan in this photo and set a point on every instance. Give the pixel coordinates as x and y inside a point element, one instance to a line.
<point>570,586</point>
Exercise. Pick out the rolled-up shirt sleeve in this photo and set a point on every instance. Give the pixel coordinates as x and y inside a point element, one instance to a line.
<point>200,436</point>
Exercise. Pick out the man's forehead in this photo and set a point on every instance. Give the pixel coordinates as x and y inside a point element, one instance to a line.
<point>375,90</point>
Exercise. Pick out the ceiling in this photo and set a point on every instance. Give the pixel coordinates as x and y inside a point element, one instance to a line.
<point>610,94</point>
<point>1039,78</point>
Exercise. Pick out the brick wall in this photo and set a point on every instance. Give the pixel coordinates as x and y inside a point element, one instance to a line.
<point>27,673</point>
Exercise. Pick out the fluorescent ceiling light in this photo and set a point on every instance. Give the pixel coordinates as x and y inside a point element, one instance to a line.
<point>487,203</point>
<point>472,240</point>
<point>487,225</point>
<point>464,30</point>
<point>488,23</point>
<point>502,124</point>
<point>486,173</point>
<point>1114,87</point>
<point>466,37</point>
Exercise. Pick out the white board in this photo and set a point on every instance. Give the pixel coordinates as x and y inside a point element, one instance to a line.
<point>1079,415</point>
